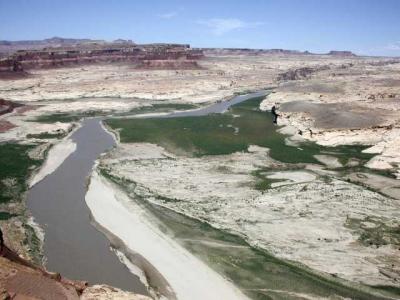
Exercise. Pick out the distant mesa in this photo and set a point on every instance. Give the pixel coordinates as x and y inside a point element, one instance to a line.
<point>9,46</point>
<point>18,57</point>
<point>248,51</point>
<point>122,41</point>
<point>341,53</point>
<point>21,56</point>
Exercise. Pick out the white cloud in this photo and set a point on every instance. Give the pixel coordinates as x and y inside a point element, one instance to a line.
<point>220,26</point>
<point>168,15</point>
<point>390,49</point>
<point>393,46</point>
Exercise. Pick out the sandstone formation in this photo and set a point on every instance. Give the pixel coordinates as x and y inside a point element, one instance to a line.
<point>153,56</point>
<point>7,47</point>
<point>105,292</point>
<point>7,106</point>
<point>300,73</point>
<point>248,51</point>
<point>356,102</point>
<point>20,279</point>
<point>341,53</point>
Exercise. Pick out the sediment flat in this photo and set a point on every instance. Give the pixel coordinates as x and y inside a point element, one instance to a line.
<point>55,158</point>
<point>188,277</point>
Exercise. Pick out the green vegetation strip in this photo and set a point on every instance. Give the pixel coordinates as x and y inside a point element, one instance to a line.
<point>75,117</point>
<point>47,135</point>
<point>243,125</point>
<point>6,215</point>
<point>67,117</point>
<point>15,168</point>
<point>159,108</point>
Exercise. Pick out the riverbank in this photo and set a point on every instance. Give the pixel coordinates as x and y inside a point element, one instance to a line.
<point>57,154</point>
<point>229,127</point>
<point>140,233</point>
<point>55,99</point>
<point>20,279</point>
<point>288,204</point>
<point>334,109</point>
<point>25,163</point>
<point>69,234</point>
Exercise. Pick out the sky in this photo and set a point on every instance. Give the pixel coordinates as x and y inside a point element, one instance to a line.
<point>362,26</point>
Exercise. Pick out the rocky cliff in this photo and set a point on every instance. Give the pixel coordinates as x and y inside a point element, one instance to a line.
<point>300,73</point>
<point>152,56</point>
<point>341,53</point>
<point>8,47</point>
<point>248,51</point>
<point>20,279</point>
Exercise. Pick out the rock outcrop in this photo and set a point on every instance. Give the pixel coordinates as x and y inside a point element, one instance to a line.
<point>248,51</point>
<point>7,106</point>
<point>109,293</point>
<point>300,73</point>
<point>341,53</point>
<point>152,56</point>
<point>8,47</point>
<point>20,279</point>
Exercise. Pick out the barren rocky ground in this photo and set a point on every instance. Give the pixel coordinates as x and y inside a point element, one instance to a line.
<point>307,216</point>
<point>20,279</point>
<point>316,216</point>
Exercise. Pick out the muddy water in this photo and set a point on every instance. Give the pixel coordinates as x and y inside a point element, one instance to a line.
<point>73,247</point>
<point>219,107</point>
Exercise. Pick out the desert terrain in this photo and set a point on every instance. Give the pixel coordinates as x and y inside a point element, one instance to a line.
<point>319,192</point>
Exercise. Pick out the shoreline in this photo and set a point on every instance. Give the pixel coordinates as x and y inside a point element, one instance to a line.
<point>137,264</point>
<point>330,279</point>
<point>300,123</point>
<point>328,166</point>
<point>57,154</point>
<point>174,261</point>
<point>128,254</point>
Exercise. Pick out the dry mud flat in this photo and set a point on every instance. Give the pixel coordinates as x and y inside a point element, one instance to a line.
<point>359,104</point>
<point>342,81</point>
<point>187,276</point>
<point>218,78</point>
<point>305,217</point>
<point>302,212</point>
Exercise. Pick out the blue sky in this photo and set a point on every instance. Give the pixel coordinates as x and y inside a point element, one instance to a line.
<point>363,26</point>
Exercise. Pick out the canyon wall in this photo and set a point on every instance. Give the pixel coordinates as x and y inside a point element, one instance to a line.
<point>151,56</point>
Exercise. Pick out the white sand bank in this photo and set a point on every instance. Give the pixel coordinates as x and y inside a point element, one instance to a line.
<point>329,161</point>
<point>55,158</point>
<point>188,276</point>
<point>291,177</point>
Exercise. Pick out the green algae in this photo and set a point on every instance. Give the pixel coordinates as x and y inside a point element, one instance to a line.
<point>4,215</point>
<point>259,274</point>
<point>15,169</point>
<point>215,134</point>
<point>66,117</point>
<point>47,135</point>
<point>376,232</point>
<point>159,108</point>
